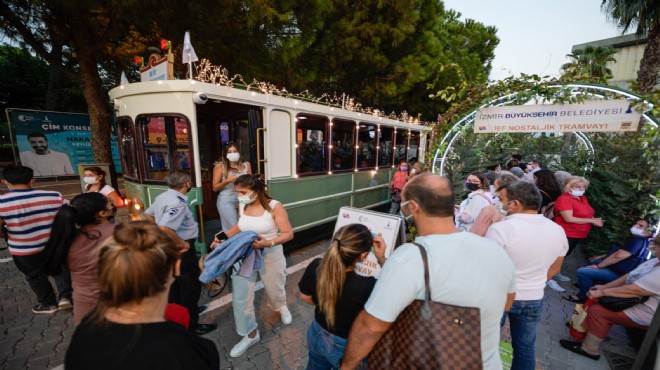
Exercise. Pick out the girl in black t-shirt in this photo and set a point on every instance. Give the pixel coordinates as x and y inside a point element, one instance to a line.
<point>338,293</point>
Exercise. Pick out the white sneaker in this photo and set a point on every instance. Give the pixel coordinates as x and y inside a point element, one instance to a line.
<point>555,286</point>
<point>560,277</point>
<point>244,344</point>
<point>64,304</point>
<point>285,315</point>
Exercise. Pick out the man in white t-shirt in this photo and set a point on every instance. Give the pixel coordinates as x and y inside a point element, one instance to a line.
<point>537,247</point>
<point>43,161</point>
<point>465,270</point>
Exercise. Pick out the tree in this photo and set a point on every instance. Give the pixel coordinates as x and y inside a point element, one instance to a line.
<point>645,14</point>
<point>589,64</point>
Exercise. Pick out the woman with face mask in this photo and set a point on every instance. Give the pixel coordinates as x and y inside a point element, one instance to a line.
<point>268,218</point>
<point>396,186</point>
<point>574,213</point>
<point>225,172</point>
<point>494,212</point>
<point>478,198</point>
<point>94,178</point>
<point>78,231</point>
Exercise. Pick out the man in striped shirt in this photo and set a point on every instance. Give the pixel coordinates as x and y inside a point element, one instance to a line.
<point>27,215</point>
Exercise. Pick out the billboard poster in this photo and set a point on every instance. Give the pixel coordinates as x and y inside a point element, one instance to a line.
<point>591,116</point>
<point>54,143</point>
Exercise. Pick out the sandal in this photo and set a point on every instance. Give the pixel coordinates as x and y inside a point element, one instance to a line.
<point>573,298</point>
<point>576,347</point>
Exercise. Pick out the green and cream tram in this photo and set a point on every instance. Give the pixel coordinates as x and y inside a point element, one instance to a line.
<point>315,158</point>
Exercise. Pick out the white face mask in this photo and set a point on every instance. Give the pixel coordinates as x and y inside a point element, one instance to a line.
<point>233,156</point>
<point>90,180</point>
<point>413,171</point>
<point>637,231</point>
<point>245,199</point>
<point>577,193</point>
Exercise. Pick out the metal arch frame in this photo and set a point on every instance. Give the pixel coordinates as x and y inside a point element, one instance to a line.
<point>506,99</point>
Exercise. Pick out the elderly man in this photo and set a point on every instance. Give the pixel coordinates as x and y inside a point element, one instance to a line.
<point>465,270</point>
<point>619,261</point>
<point>171,213</point>
<point>537,247</point>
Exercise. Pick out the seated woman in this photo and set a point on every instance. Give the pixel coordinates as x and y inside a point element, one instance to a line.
<point>644,281</point>
<point>618,261</point>
<point>338,293</point>
<point>128,330</point>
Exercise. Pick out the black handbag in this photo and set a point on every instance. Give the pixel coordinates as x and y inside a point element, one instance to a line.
<point>620,304</point>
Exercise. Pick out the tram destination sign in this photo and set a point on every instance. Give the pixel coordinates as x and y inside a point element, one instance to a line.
<point>592,116</point>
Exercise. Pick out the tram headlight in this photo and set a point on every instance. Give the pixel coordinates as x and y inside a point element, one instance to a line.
<point>200,98</point>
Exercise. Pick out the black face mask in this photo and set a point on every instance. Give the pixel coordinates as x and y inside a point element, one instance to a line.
<point>471,187</point>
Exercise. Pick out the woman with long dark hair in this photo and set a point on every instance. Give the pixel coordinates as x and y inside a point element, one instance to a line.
<point>225,172</point>
<point>546,182</point>
<point>79,229</point>
<point>338,293</point>
<point>479,198</point>
<point>128,329</point>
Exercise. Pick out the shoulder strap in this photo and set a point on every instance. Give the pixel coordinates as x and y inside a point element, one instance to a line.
<point>426,307</point>
<point>489,200</point>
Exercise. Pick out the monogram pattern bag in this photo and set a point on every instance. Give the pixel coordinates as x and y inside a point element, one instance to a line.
<point>430,335</point>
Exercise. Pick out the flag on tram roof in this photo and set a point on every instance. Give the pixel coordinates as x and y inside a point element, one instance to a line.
<point>123,81</point>
<point>189,55</point>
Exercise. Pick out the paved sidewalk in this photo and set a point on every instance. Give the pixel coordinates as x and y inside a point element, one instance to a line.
<point>29,341</point>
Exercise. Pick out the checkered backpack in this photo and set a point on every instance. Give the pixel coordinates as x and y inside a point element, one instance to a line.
<point>430,335</point>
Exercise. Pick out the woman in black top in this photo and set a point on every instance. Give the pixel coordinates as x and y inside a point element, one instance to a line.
<point>338,293</point>
<point>128,330</point>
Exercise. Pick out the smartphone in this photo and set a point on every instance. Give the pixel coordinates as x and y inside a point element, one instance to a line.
<point>221,236</point>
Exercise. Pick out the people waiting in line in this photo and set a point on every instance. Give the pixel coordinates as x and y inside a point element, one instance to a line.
<point>494,212</point>
<point>453,257</point>
<point>128,330</point>
<point>576,216</point>
<point>533,165</point>
<point>79,229</point>
<point>94,179</point>
<point>225,172</point>
<point>171,213</point>
<point>338,292</point>
<point>619,261</point>
<point>561,177</point>
<point>535,263</point>
<point>397,184</point>
<point>417,169</point>
<point>547,184</point>
<point>268,218</point>
<point>478,198</point>
<point>644,281</point>
<point>26,214</point>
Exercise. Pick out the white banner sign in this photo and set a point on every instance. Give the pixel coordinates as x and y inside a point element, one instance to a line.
<point>593,116</point>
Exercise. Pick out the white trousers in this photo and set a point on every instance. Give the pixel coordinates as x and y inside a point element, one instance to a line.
<point>273,276</point>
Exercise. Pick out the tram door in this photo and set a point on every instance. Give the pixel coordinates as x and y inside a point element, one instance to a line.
<point>221,125</point>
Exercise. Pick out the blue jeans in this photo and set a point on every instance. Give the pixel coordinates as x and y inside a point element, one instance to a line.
<point>325,348</point>
<point>588,277</point>
<point>524,317</point>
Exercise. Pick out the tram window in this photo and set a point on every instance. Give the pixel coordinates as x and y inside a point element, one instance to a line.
<point>367,135</point>
<point>166,143</point>
<point>311,137</point>
<point>385,146</point>
<point>401,143</point>
<point>127,144</point>
<point>343,145</point>
<point>413,146</point>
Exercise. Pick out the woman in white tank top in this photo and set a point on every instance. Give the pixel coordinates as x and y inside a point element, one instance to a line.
<point>268,218</point>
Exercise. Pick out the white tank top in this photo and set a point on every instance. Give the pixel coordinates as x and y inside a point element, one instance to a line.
<point>262,225</point>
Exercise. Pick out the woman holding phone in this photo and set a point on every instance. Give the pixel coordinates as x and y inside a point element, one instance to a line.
<point>268,218</point>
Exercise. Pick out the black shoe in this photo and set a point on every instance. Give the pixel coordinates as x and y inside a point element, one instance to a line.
<point>576,347</point>
<point>201,329</point>
<point>201,309</point>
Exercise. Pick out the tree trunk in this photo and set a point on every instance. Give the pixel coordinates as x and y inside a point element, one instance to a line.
<point>54,81</point>
<point>649,67</point>
<point>97,107</point>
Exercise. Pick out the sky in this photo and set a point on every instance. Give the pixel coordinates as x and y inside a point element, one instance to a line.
<point>535,36</point>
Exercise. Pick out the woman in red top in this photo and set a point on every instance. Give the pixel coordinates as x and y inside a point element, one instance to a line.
<point>573,212</point>
<point>396,186</point>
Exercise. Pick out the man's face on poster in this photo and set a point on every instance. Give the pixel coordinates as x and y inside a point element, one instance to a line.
<point>39,145</point>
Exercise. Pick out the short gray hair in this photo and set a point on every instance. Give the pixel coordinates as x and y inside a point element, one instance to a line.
<point>177,178</point>
<point>524,192</point>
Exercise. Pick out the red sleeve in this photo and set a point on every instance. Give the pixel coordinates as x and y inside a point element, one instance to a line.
<point>178,314</point>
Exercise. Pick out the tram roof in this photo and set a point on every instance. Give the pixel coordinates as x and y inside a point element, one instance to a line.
<point>256,98</point>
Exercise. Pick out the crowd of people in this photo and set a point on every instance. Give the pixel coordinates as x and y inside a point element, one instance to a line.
<point>135,287</point>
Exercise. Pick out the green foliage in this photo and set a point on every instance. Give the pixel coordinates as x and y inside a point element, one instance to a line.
<point>589,64</point>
